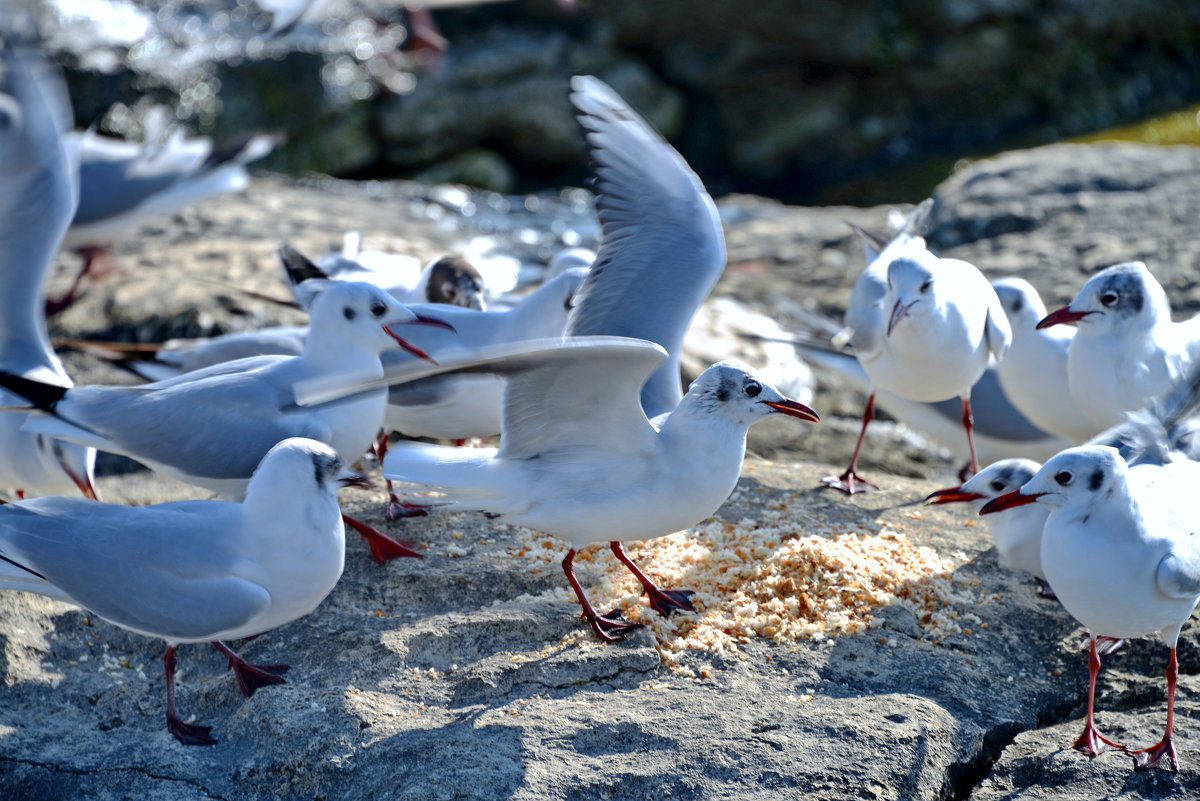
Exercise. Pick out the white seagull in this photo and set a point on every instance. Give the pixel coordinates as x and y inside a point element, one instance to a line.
<point>37,199</point>
<point>1127,350</point>
<point>923,328</point>
<point>1034,371</point>
<point>211,427</point>
<point>192,571</point>
<point>579,457</point>
<point>1121,548</point>
<point>1017,532</point>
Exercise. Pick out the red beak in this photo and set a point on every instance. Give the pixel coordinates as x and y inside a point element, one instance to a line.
<point>356,480</point>
<point>952,495</point>
<point>794,409</point>
<point>411,348</point>
<point>1063,315</point>
<point>1009,500</point>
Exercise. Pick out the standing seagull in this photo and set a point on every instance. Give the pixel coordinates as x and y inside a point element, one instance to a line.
<point>923,328</point>
<point>37,199</point>
<point>580,459</point>
<point>192,571</point>
<point>211,427</point>
<point>1034,371</point>
<point>579,456</point>
<point>1121,549</point>
<point>1127,350</point>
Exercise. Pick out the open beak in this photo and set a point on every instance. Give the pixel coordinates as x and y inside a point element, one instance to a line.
<point>1008,500</point>
<point>418,319</point>
<point>1063,315</point>
<point>899,312</point>
<point>952,495</point>
<point>794,409</point>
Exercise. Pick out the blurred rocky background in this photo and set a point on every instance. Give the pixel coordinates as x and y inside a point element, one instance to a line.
<point>827,101</point>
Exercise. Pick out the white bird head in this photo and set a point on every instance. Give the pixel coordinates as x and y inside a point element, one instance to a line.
<point>355,313</point>
<point>739,393</point>
<point>998,478</point>
<point>911,289</point>
<point>1122,297</point>
<point>1021,301</point>
<point>1074,479</point>
<point>301,467</point>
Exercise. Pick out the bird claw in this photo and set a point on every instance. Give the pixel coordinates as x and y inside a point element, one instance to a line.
<point>1044,590</point>
<point>1152,757</point>
<point>398,510</point>
<point>849,482</point>
<point>383,548</point>
<point>254,677</point>
<point>1092,743</point>
<point>189,733</point>
<point>667,601</point>
<point>612,627</point>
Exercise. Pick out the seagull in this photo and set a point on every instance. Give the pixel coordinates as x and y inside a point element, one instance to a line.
<point>37,199</point>
<point>580,459</point>
<point>210,428</point>
<point>1126,350</point>
<point>923,328</point>
<point>1034,371</point>
<point>192,571</point>
<point>1121,548</point>
<point>1018,532</point>
<point>122,183</point>
<point>598,443</point>
<point>450,279</point>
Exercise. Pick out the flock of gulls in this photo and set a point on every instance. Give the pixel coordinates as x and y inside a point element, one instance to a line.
<point>580,380</point>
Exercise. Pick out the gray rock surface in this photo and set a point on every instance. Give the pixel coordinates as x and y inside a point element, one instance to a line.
<point>463,675</point>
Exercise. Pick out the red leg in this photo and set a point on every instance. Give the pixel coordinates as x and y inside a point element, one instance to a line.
<point>396,508</point>
<point>1164,750</point>
<point>251,677</point>
<point>20,495</point>
<point>662,601</point>
<point>850,481</point>
<point>1092,743</point>
<point>97,263</point>
<point>968,421</point>
<point>383,547</point>
<point>610,627</point>
<point>186,733</point>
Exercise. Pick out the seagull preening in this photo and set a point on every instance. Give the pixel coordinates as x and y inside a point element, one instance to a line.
<point>1121,548</point>
<point>923,328</point>
<point>192,571</point>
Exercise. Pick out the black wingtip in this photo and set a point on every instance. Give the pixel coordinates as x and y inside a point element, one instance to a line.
<point>43,396</point>
<point>299,268</point>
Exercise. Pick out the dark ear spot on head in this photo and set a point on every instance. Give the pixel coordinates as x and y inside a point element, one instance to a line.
<point>722,393</point>
<point>1018,304</point>
<point>1096,479</point>
<point>349,313</point>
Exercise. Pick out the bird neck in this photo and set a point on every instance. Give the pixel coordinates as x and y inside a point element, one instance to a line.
<point>336,353</point>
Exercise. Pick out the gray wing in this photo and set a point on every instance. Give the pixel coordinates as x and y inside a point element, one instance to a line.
<point>163,570</point>
<point>663,249</point>
<point>995,415</point>
<point>579,397</point>
<point>1178,574</point>
<point>864,311</point>
<point>107,186</point>
<point>216,425</point>
<point>37,200</point>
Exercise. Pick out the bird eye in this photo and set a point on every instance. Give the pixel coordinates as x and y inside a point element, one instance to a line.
<point>753,389</point>
<point>378,309</point>
<point>925,286</point>
<point>1063,477</point>
<point>349,313</point>
<point>1108,298</point>
<point>997,485</point>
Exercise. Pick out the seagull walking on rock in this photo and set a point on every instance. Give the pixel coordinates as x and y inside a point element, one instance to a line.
<point>1121,548</point>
